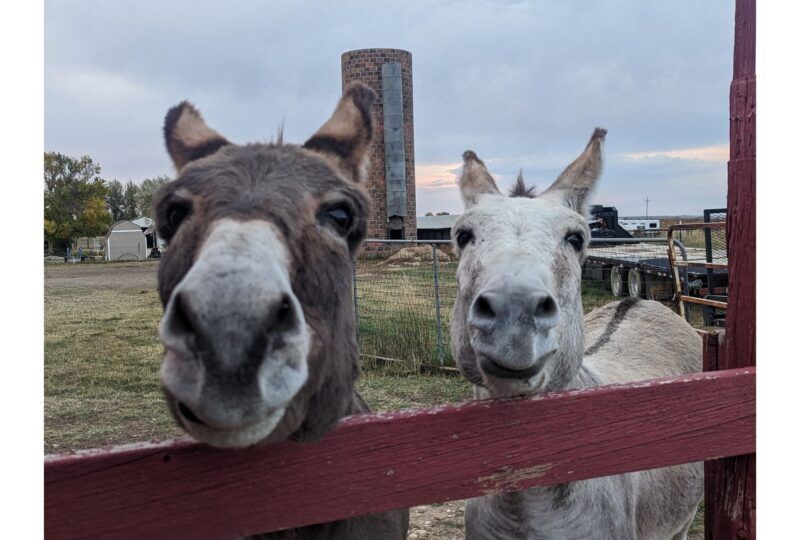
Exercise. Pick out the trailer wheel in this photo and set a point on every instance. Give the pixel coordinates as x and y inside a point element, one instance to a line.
<point>636,283</point>
<point>618,281</point>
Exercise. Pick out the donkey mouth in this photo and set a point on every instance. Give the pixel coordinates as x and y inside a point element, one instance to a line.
<point>490,366</point>
<point>188,414</point>
<point>252,434</point>
<point>257,431</point>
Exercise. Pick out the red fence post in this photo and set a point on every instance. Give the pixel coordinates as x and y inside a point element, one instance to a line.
<point>731,504</point>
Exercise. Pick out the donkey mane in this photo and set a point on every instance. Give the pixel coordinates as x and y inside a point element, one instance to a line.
<point>520,189</point>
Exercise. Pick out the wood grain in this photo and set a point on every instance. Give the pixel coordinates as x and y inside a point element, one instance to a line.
<point>379,462</point>
<point>731,483</point>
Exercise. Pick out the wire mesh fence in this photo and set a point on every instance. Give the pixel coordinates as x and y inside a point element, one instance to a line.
<point>404,295</point>
<point>404,290</point>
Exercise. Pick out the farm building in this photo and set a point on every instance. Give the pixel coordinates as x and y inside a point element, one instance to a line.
<point>391,172</point>
<point>149,228</point>
<point>435,227</point>
<point>126,242</point>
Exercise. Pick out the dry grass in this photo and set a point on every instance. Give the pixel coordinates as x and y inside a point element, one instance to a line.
<point>102,356</point>
<point>101,362</point>
<point>397,312</point>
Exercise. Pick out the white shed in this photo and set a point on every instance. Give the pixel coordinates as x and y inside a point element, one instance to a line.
<point>126,242</point>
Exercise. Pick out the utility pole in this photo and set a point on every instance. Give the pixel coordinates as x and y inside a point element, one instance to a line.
<point>647,211</point>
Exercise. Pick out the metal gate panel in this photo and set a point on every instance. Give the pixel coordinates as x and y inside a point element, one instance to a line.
<point>394,138</point>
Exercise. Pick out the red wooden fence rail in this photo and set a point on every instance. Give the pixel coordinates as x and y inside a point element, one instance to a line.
<point>731,483</point>
<point>380,462</point>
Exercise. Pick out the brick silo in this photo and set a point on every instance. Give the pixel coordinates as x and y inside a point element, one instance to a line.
<point>391,180</point>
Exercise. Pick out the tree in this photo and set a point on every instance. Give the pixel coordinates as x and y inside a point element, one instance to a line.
<point>442,213</point>
<point>115,200</point>
<point>146,194</point>
<point>75,199</point>
<point>130,208</point>
<point>428,214</point>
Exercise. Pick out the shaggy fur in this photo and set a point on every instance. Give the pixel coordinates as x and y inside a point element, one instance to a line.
<point>536,246</point>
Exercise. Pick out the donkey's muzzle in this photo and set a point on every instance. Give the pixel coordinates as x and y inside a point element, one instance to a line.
<point>236,339</point>
<point>510,325</point>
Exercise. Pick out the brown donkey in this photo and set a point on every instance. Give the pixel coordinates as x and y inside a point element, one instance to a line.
<point>258,324</point>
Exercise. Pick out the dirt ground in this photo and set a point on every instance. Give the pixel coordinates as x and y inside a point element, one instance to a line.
<point>437,521</point>
<point>117,275</point>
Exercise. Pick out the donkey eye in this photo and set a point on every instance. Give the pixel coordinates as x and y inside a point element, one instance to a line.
<point>576,240</point>
<point>463,237</point>
<point>176,214</point>
<point>339,217</point>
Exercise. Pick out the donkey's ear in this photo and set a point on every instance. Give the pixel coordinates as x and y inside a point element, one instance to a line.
<point>574,184</point>
<point>475,180</point>
<point>346,137</point>
<point>187,135</point>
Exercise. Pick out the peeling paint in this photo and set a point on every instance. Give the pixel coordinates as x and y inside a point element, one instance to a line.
<point>510,479</point>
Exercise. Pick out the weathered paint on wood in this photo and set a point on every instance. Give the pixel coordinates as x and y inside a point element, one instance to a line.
<point>712,351</point>
<point>731,483</point>
<point>379,462</point>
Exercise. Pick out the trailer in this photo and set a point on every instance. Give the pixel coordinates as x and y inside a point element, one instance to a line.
<point>641,224</point>
<point>648,267</point>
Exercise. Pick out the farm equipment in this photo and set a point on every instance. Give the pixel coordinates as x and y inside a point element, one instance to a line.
<point>605,223</point>
<point>662,268</point>
<point>711,290</point>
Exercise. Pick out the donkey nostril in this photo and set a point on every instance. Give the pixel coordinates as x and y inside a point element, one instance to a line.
<point>285,314</point>
<point>483,308</point>
<point>180,316</point>
<point>188,414</point>
<point>546,307</point>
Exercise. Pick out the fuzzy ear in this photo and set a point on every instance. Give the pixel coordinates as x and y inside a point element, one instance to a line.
<point>187,135</point>
<point>346,137</point>
<point>574,184</point>
<point>475,180</point>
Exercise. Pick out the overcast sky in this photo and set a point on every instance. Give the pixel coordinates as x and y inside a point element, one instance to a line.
<point>521,83</point>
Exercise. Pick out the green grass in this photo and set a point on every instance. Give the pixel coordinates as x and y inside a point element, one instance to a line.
<point>391,387</point>
<point>102,356</point>
<point>594,295</point>
<point>101,363</point>
<point>397,315</point>
<point>102,353</point>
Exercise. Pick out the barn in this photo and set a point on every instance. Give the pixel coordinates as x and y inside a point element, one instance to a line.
<point>125,241</point>
<point>435,227</point>
<point>149,228</point>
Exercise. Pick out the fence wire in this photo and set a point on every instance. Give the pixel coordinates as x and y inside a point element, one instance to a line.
<point>404,295</point>
<point>404,290</point>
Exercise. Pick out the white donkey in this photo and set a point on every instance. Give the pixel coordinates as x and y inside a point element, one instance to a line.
<point>518,328</point>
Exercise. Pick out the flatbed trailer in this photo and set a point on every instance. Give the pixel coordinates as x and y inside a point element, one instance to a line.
<point>641,268</point>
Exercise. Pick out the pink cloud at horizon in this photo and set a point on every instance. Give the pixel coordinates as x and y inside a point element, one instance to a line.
<point>437,175</point>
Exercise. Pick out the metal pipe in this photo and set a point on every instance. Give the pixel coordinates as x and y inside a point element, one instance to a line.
<point>680,246</point>
<point>593,241</point>
<point>356,305</point>
<point>390,241</point>
<point>438,302</point>
<point>661,240</point>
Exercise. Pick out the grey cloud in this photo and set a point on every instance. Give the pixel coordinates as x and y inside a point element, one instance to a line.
<point>520,82</point>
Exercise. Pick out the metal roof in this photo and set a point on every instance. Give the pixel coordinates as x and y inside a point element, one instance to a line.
<point>143,222</point>
<point>436,222</point>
